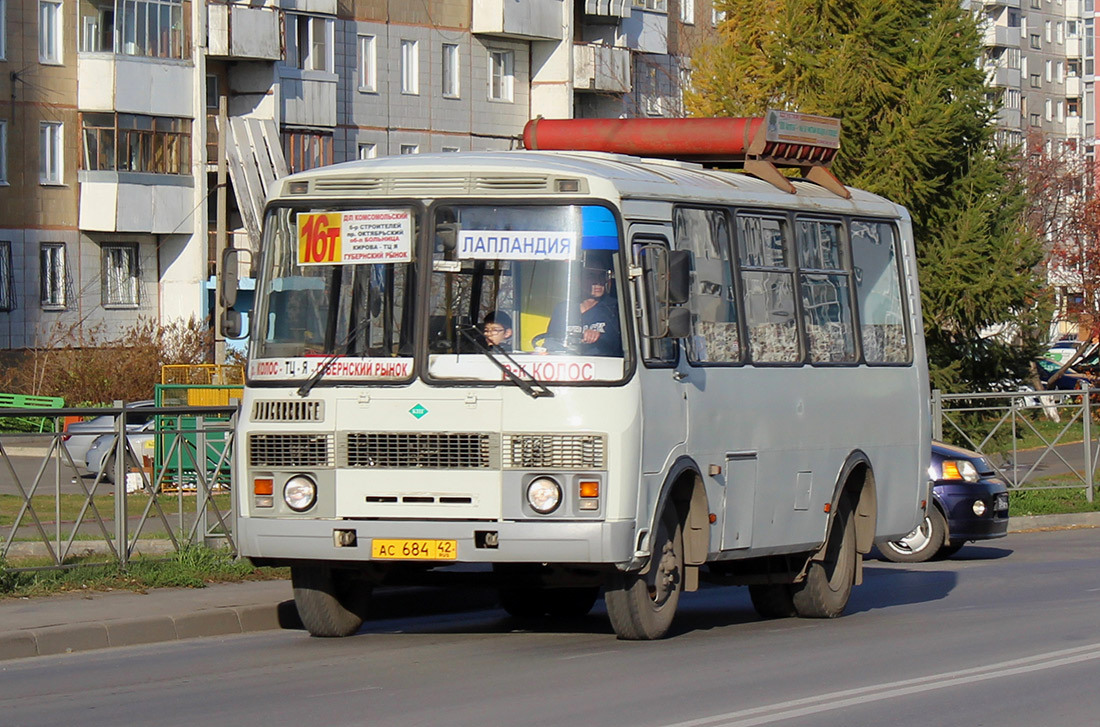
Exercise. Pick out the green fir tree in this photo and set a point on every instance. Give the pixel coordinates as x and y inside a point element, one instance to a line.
<point>904,78</point>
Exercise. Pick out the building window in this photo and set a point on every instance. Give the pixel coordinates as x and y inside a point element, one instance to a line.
<point>717,16</point>
<point>367,151</point>
<point>450,70</point>
<point>450,149</point>
<point>120,275</point>
<point>1049,70</point>
<point>136,143</point>
<point>50,135</point>
<point>49,31</point>
<point>1035,41</point>
<point>3,29</point>
<point>1012,99</point>
<point>410,148</point>
<point>309,42</point>
<point>368,63</point>
<point>1012,57</point>
<point>501,75</point>
<point>3,145</point>
<point>307,149</point>
<point>1048,31</point>
<point>687,12</point>
<point>149,28</point>
<point>1035,81</point>
<point>660,6</point>
<point>7,284</point>
<point>1034,119</point>
<point>410,67</point>
<point>1073,107</point>
<point>52,274</point>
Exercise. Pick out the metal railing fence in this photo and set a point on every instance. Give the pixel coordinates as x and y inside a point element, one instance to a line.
<point>1035,440</point>
<point>175,490</point>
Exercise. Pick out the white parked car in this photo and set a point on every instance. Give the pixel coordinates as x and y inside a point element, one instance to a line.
<point>79,436</point>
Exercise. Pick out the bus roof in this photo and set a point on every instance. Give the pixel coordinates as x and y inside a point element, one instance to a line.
<point>527,174</point>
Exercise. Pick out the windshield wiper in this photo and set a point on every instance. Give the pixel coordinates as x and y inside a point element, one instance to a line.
<point>340,350</point>
<point>530,385</point>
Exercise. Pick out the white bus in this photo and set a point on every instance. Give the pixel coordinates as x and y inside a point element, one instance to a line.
<point>586,372</point>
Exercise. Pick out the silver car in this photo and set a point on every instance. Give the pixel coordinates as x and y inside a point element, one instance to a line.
<point>100,456</point>
<point>79,436</point>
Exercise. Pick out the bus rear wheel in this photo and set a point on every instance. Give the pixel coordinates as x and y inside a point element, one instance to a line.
<point>642,604</point>
<point>828,584</point>
<point>330,602</point>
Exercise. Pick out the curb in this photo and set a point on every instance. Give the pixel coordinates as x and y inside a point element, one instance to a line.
<point>1033,523</point>
<point>149,630</point>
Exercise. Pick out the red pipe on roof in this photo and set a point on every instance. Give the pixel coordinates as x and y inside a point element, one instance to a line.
<point>722,138</point>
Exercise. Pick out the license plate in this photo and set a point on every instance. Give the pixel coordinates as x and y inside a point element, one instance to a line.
<point>1001,503</point>
<point>414,549</point>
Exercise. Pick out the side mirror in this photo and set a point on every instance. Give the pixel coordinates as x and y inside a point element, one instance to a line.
<point>679,276</point>
<point>446,234</point>
<point>229,277</point>
<point>679,323</point>
<point>231,323</point>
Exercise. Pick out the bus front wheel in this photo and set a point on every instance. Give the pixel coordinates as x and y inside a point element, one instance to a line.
<point>828,584</point>
<point>642,605</point>
<point>330,602</point>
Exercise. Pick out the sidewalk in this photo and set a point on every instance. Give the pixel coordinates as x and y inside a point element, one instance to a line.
<point>78,622</point>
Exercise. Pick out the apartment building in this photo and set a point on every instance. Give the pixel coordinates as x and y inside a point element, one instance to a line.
<point>111,191</point>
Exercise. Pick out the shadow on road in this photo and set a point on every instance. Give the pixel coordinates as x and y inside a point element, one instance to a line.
<point>898,585</point>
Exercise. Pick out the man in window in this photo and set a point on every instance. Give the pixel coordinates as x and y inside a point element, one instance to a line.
<point>591,329</point>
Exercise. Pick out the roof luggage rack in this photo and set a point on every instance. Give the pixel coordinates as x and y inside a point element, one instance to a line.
<point>758,145</point>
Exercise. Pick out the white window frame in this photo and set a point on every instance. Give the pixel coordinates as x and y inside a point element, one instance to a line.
<point>121,282</point>
<point>53,274</point>
<point>1048,109</point>
<point>368,63</point>
<point>450,61</point>
<point>3,146</point>
<point>366,150</point>
<point>410,67</point>
<point>51,153</point>
<point>50,32</point>
<point>687,12</point>
<point>657,6</point>
<point>409,149</point>
<point>502,75</point>
<point>317,34</point>
<point>7,281</point>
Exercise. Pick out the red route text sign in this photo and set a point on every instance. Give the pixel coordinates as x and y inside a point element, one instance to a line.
<point>319,238</point>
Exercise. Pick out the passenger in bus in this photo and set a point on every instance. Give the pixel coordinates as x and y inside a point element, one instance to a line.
<point>595,332</point>
<point>497,329</point>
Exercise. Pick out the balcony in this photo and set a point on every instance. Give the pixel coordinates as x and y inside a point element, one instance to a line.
<point>999,3</point>
<point>134,84</point>
<point>1000,77</point>
<point>241,32</point>
<point>307,98</point>
<point>606,10</point>
<point>527,20</point>
<point>1001,35</point>
<point>136,202</point>
<point>1008,118</point>
<point>603,68</point>
<point>646,32</point>
<point>1073,47</point>
<point>1073,127</point>
<point>1073,87</point>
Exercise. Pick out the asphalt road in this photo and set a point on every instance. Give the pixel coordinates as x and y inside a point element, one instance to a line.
<point>1004,634</point>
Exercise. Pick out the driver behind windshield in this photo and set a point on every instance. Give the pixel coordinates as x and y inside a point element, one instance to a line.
<point>592,327</point>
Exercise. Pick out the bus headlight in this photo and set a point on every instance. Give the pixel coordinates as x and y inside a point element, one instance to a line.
<point>544,495</point>
<point>300,493</point>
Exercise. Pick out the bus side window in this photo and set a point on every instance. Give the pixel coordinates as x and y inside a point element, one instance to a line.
<point>825,283</point>
<point>715,337</point>
<point>655,351</point>
<point>883,324</point>
<point>768,283</point>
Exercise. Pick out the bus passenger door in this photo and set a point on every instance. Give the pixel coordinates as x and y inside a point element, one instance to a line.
<point>664,395</point>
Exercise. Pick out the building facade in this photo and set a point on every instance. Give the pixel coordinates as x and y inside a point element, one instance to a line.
<point>112,200</point>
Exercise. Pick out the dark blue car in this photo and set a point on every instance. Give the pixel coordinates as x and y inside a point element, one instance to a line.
<point>969,502</point>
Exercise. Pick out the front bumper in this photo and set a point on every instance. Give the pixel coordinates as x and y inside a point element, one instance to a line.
<point>957,500</point>
<point>602,542</point>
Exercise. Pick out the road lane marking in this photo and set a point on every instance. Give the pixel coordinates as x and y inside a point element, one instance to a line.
<point>877,692</point>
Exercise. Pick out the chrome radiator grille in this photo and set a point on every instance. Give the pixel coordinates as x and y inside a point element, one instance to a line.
<point>554,451</point>
<point>444,450</point>
<point>290,450</point>
<point>287,411</point>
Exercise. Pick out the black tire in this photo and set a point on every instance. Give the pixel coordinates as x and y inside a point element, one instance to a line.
<point>330,602</point>
<point>828,584</point>
<point>108,468</point>
<point>772,600</point>
<point>923,544</point>
<point>642,604</point>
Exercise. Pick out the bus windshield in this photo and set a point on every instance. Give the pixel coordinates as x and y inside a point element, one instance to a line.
<point>318,301</point>
<point>536,283</point>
